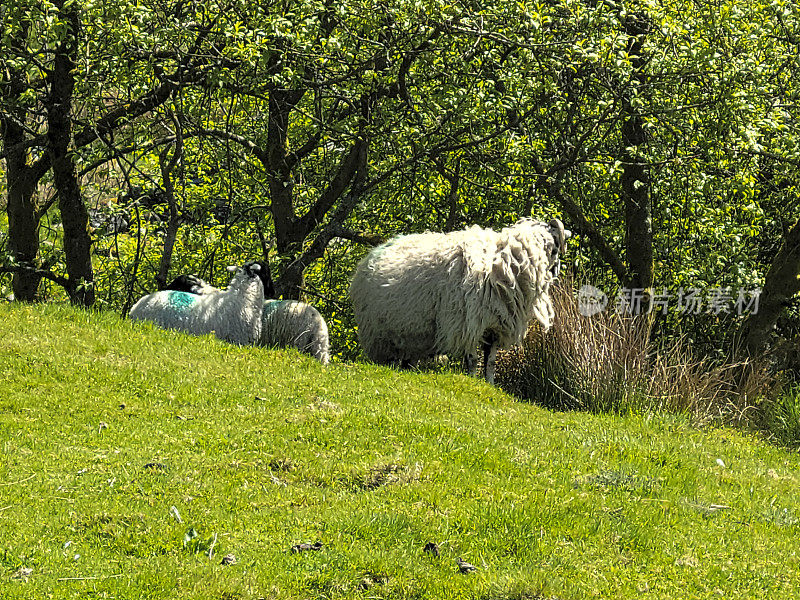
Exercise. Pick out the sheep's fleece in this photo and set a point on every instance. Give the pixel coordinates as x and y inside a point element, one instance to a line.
<point>427,294</point>
<point>297,325</point>
<point>233,315</point>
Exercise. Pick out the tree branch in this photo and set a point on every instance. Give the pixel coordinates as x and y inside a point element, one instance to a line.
<point>119,152</point>
<point>293,273</point>
<point>580,223</point>
<point>173,224</point>
<point>119,116</point>
<point>360,237</point>
<point>250,146</point>
<point>344,174</point>
<point>49,275</point>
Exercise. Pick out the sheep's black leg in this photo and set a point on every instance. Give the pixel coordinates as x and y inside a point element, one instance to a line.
<point>489,357</point>
<point>470,363</point>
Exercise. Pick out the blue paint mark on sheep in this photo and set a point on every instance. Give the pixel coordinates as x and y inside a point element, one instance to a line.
<point>270,306</point>
<point>182,300</point>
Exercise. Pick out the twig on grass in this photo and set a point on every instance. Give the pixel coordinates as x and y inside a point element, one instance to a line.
<point>90,578</point>
<point>20,481</point>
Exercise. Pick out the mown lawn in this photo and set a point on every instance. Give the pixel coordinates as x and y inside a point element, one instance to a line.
<point>133,460</point>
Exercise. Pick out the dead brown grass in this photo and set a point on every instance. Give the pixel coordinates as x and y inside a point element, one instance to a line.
<point>609,363</point>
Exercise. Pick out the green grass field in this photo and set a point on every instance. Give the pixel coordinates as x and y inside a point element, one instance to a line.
<point>133,460</point>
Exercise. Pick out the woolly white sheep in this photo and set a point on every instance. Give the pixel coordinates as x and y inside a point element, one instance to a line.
<point>285,323</point>
<point>296,325</point>
<point>427,294</point>
<point>233,315</point>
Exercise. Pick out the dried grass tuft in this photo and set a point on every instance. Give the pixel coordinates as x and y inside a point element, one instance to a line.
<point>608,363</point>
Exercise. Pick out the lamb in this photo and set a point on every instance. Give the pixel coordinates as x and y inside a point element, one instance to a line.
<point>289,323</point>
<point>422,295</point>
<point>285,323</point>
<point>233,315</point>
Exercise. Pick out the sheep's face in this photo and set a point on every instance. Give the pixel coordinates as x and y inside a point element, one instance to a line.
<point>190,284</point>
<point>551,250</point>
<point>266,277</point>
<point>258,269</point>
<point>560,237</point>
<point>554,239</point>
<point>252,269</point>
<point>554,259</point>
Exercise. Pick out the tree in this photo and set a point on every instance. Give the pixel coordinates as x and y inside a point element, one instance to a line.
<point>668,145</point>
<point>22,177</point>
<point>782,283</point>
<point>40,46</point>
<point>60,81</point>
<point>382,100</point>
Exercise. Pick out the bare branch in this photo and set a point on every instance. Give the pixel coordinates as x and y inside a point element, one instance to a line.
<point>344,174</point>
<point>333,228</point>
<point>249,145</point>
<point>45,274</point>
<point>360,237</point>
<point>580,223</point>
<point>119,152</point>
<point>167,167</point>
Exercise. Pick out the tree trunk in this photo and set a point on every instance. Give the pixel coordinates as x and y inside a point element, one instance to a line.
<point>21,179</point>
<point>635,192</point>
<point>281,186</point>
<point>23,222</point>
<point>167,166</point>
<point>781,284</point>
<point>74,216</point>
<point>16,130</point>
<point>291,280</point>
<point>635,178</point>
<point>579,223</point>
<point>454,179</point>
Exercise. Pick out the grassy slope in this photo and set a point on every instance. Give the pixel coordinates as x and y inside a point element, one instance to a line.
<point>266,449</point>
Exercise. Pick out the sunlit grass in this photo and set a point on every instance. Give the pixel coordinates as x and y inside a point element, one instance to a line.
<point>117,440</point>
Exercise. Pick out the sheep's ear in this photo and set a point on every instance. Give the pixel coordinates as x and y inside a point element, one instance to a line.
<point>232,268</point>
<point>560,235</point>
